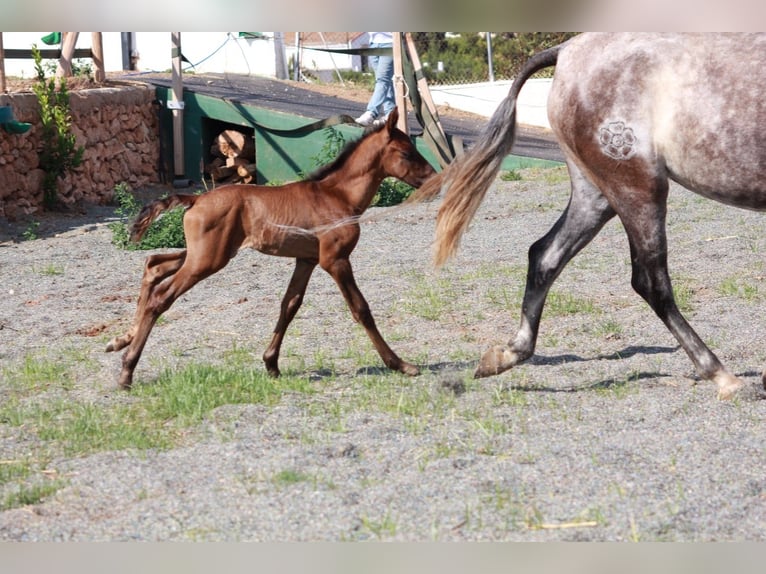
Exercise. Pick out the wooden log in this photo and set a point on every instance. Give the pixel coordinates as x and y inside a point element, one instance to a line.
<point>233,143</point>
<point>222,172</point>
<point>246,171</point>
<point>236,161</point>
<point>98,56</point>
<point>2,65</point>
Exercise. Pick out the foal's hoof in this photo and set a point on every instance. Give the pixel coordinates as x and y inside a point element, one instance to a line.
<point>116,344</point>
<point>126,381</point>
<point>409,369</point>
<point>495,361</point>
<point>728,385</point>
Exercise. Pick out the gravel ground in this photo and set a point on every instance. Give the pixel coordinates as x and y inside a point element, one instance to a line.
<point>605,434</point>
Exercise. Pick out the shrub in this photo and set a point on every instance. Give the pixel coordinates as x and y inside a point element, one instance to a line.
<point>165,232</point>
<point>59,152</point>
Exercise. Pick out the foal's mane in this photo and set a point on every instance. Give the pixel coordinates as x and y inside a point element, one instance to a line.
<point>344,154</point>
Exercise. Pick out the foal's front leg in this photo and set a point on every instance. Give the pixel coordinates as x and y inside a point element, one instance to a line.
<point>291,302</point>
<point>340,270</point>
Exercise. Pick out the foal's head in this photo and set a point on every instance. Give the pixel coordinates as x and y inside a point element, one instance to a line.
<point>401,159</point>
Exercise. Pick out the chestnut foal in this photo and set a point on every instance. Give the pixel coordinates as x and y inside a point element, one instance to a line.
<point>314,221</point>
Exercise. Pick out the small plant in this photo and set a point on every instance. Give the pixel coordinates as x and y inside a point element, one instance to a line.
<point>30,233</point>
<point>59,153</point>
<point>27,495</point>
<point>333,144</point>
<point>391,192</point>
<point>167,232</point>
<point>511,175</point>
<point>289,476</point>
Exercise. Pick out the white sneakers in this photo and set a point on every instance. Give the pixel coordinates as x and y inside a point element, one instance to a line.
<point>368,119</point>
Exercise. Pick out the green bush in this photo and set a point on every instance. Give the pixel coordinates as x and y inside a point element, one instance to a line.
<point>59,152</point>
<point>165,232</point>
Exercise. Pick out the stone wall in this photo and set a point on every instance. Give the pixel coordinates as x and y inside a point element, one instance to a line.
<point>119,129</point>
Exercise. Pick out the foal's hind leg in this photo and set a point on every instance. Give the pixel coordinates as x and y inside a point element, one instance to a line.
<point>156,268</point>
<point>583,218</point>
<point>159,297</point>
<point>291,302</point>
<point>340,270</point>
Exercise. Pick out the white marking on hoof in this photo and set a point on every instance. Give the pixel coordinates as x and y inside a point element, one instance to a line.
<point>728,385</point>
<point>494,361</point>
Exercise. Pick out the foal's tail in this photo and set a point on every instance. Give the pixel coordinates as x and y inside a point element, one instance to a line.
<point>151,211</point>
<point>467,179</point>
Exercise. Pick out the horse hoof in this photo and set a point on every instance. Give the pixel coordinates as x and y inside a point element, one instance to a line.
<point>494,361</point>
<point>728,385</point>
<point>409,369</point>
<point>116,345</point>
<point>274,372</point>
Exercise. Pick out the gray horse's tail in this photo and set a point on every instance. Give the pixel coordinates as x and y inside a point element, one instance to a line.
<point>466,180</point>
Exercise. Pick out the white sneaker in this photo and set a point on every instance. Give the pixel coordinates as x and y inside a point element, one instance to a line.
<point>380,121</point>
<point>366,119</point>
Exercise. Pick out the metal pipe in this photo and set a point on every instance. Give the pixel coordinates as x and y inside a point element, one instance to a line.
<point>489,57</point>
<point>177,107</point>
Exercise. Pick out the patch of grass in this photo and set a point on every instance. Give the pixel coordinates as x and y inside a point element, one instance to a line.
<point>607,329</point>
<point>549,175</point>
<point>382,527</point>
<point>36,374</point>
<point>188,394</point>
<point>511,175</point>
<point>684,294</point>
<point>737,286</point>
<point>30,494</point>
<point>429,297</point>
<point>11,470</point>
<point>559,303</point>
<point>30,233</point>
<point>289,476</point>
<point>50,269</point>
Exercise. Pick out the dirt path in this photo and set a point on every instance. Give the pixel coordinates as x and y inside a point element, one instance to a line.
<point>604,435</point>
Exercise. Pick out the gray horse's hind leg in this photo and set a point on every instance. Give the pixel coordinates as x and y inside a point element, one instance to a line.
<point>583,218</point>
<point>645,227</point>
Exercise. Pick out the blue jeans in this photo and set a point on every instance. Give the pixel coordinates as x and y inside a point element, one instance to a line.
<point>383,94</point>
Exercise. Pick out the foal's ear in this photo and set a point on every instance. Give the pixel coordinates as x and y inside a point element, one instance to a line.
<point>393,118</point>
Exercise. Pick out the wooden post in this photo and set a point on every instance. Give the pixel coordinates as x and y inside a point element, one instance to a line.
<point>2,65</point>
<point>400,86</point>
<point>97,48</point>
<point>67,52</point>
<point>425,92</point>
<point>177,106</point>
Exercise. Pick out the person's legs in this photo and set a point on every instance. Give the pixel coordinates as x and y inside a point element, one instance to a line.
<point>383,96</point>
<point>382,100</point>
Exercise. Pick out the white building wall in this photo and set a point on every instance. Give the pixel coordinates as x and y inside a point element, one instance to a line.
<point>209,52</point>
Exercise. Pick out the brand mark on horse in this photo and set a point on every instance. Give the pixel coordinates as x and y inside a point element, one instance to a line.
<point>617,140</point>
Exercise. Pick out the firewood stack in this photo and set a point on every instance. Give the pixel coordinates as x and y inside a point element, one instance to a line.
<point>233,158</point>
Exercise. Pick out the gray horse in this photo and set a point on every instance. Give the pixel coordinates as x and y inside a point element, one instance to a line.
<point>630,111</point>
